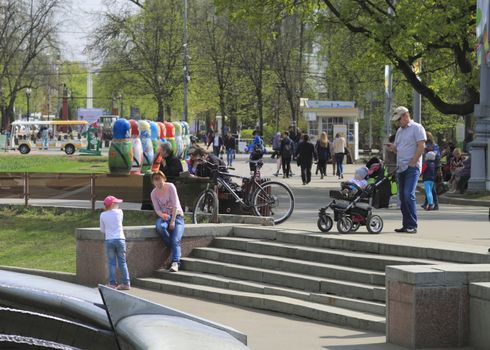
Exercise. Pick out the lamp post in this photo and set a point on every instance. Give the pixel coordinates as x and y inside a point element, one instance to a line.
<point>186,64</point>
<point>28,96</point>
<point>120,98</point>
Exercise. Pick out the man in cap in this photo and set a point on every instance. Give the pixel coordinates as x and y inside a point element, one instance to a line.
<point>409,146</point>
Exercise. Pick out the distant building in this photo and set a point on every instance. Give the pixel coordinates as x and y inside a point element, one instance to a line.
<point>333,117</point>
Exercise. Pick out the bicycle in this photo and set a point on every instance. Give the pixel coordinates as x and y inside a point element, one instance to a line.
<point>270,198</point>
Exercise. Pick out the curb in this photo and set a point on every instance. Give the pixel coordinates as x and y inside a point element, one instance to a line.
<point>463,201</point>
<point>57,275</point>
<point>457,201</point>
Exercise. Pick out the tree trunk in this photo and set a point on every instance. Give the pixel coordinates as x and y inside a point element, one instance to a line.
<point>168,112</point>
<point>260,107</point>
<point>222,109</point>
<point>161,111</point>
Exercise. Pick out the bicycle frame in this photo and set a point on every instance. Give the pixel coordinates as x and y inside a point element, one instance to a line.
<point>222,182</point>
<point>218,179</point>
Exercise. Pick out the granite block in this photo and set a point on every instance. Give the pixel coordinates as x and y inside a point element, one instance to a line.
<point>441,317</point>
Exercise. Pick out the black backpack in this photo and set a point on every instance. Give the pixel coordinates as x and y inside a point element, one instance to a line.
<point>257,151</point>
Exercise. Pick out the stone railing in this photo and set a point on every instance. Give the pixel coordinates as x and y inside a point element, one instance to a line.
<point>145,250</point>
<point>438,306</point>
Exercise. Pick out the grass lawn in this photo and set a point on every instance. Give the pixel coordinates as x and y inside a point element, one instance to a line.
<point>45,238</point>
<point>53,163</point>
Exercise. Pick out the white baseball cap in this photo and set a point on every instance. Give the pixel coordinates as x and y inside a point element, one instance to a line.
<point>399,112</point>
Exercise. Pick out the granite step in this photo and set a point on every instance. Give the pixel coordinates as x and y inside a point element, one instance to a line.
<point>261,288</point>
<point>354,259</point>
<point>282,304</point>
<point>286,279</point>
<point>291,265</point>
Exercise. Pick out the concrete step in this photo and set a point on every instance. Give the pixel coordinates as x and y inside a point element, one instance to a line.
<point>287,279</point>
<point>291,265</point>
<point>322,255</point>
<point>286,305</point>
<point>321,240</point>
<point>260,288</point>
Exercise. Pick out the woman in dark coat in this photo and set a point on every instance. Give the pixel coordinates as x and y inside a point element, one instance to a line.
<point>322,149</point>
<point>305,153</point>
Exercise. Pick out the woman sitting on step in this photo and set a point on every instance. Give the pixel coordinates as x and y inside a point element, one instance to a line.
<point>170,224</point>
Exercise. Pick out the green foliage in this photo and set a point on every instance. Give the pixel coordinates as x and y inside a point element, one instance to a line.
<point>44,238</point>
<point>246,133</point>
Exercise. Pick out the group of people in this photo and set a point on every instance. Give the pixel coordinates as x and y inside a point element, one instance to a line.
<point>415,151</point>
<point>169,225</point>
<point>416,154</point>
<point>305,154</point>
<point>221,146</point>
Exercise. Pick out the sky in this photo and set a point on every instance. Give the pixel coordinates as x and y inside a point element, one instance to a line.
<point>78,19</point>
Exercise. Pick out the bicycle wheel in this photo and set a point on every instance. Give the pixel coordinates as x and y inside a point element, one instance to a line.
<point>273,199</point>
<point>206,208</point>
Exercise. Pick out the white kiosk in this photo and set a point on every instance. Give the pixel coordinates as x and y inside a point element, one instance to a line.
<point>333,117</point>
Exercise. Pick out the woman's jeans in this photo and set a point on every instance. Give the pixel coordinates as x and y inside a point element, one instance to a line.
<point>229,156</point>
<point>407,183</point>
<point>339,159</point>
<point>116,253</point>
<point>429,187</point>
<point>172,239</point>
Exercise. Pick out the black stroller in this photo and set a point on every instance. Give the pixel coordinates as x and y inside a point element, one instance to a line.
<point>352,209</point>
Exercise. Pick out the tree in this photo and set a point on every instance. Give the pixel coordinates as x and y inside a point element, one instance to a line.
<point>149,44</point>
<point>214,44</point>
<point>27,30</point>
<point>439,33</point>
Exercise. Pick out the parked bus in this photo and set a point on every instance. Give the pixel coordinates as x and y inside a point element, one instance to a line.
<point>64,135</point>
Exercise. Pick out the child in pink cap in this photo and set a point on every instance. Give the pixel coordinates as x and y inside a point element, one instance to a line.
<point>111,225</point>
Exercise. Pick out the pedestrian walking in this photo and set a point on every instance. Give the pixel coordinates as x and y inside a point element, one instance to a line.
<point>304,156</point>
<point>111,225</point>
<point>286,153</point>
<point>230,146</point>
<point>332,156</point>
<point>322,149</point>
<point>217,141</point>
<point>432,146</point>
<point>339,145</point>
<point>409,146</point>
<point>276,151</point>
<point>429,177</point>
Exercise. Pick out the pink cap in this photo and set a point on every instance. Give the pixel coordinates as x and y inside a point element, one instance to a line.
<point>109,200</point>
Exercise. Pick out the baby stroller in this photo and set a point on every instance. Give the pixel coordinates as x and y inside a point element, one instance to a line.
<point>352,209</point>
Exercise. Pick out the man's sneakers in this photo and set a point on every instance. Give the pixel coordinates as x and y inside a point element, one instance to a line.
<point>174,267</point>
<point>406,230</point>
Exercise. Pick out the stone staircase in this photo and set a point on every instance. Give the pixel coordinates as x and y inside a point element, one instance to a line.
<point>333,280</point>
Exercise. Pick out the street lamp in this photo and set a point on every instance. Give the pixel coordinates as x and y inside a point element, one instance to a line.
<point>120,98</point>
<point>28,96</point>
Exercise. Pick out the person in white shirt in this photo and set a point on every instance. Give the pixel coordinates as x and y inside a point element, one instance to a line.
<point>339,145</point>
<point>111,225</point>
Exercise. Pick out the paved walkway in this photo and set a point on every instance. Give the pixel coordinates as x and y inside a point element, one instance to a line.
<point>465,228</point>
<point>274,331</point>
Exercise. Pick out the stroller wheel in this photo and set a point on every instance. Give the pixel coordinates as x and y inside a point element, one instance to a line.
<point>324,223</point>
<point>355,227</point>
<point>344,225</point>
<point>374,224</point>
